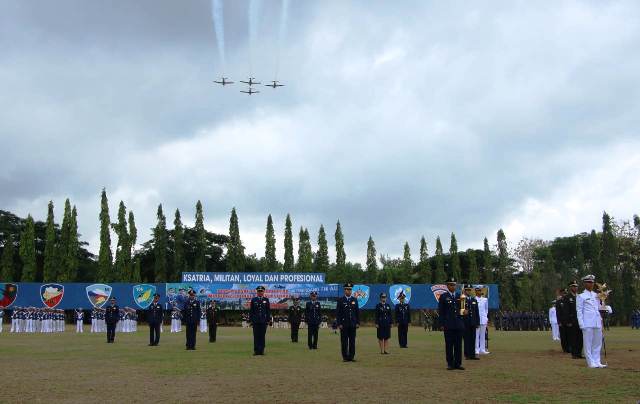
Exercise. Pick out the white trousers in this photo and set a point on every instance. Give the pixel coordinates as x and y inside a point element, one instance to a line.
<point>592,343</point>
<point>79,326</point>
<point>481,343</point>
<point>555,332</point>
<point>203,325</point>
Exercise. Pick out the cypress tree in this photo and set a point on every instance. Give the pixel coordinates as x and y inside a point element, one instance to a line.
<point>74,247</point>
<point>271,262</point>
<point>474,274</point>
<point>304,251</point>
<point>439,276</point>
<point>28,251</point>
<point>425,275</point>
<point>64,245</point>
<point>7,269</point>
<point>160,247</point>
<point>504,273</point>
<point>50,270</point>
<point>486,276</point>
<point>372,262</point>
<point>178,250</point>
<point>288,245</point>
<point>407,262</point>
<point>341,256</point>
<point>133,232</point>
<point>322,256</point>
<point>122,266</point>
<point>455,269</point>
<point>200,260</point>
<point>235,250</point>
<point>105,257</point>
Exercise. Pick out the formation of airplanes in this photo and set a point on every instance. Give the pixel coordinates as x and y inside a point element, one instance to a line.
<point>251,81</point>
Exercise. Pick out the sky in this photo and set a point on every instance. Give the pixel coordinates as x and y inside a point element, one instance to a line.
<point>400,119</point>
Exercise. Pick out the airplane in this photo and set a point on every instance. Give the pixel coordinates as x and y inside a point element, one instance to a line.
<point>274,84</point>
<point>251,91</point>
<point>223,81</point>
<point>250,82</point>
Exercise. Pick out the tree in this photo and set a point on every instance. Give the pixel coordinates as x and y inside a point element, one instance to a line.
<point>305,255</point>
<point>439,276</point>
<point>407,262</point>
<point>73,249</point>
<point>455,269</point>
<point>474,274</point>
<point>372,262</point>
<point>271,262</point>
<point>122,266</point>
<point>7,268</point>
<point>524,253</point>
<point>160,246</point>
<point>133,232</point>
<point>199,264</point>
<point>105,257</point>
<point>423,264</point>
<point>235,250</point>
<point>178,248</point>
<point>504,277</point>
<point>594,254</point>
<point>28,251</point>
<point>486,276</point>
<point>524,292</point>
<point>50,270</point>
<point>322,255</point>
<point>341,256</point>
<point>135,275</point>
<point>288,245</point>
<point>64,273</point>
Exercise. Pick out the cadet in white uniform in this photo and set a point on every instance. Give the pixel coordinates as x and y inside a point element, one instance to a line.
<point>590,321</point>
<point>553,320</point>
<point>481,331</point>
<point>79,319</point>
<point>1,317</point>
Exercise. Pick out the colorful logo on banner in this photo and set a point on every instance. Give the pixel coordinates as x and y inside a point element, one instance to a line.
<point>395,290</point>
<point>8,294</point>
<point>361,292</point>
<point>438,290</point>
<point>51,294</point>
<point>98,294</point>
<point>143,295</point>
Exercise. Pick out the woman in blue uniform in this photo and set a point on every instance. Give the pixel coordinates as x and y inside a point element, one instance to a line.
<point>384,320</point>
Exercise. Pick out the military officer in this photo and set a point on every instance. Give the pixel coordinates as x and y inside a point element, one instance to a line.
<point>574,334</point>
<point>191,316</point>
<point>154,318</point>
<point>452,325</point>
<point>590,321</point>
<point>348,320</point>
<point>313,317</point>
<point>471,324</point>
<point>403,319</point>
<point>553,320</point>
<point>259,316</point>
<point>79,319</point>
<point>560,315</point>
<point>383,321</point>
<point>295,316</point>
<point>481,333</point>
<point>111,318</point>
<point>213,312</point>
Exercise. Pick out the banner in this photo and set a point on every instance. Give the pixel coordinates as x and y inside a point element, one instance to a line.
<point>252,277</point>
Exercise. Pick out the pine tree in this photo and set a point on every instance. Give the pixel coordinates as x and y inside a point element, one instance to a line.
<point>122,266</point>
<point>304,251</point>
<point>271,262</point>
<point>7,268</point>
<point>235,250</point>
<point>439,276</point>
<point>423,265</point>
<point>372,262</point>
<point>200,264</point>
<point>28,251</point>
<point>504,278</point>
<point>486,276</point>
<point>178,250</point>
<point>160,246</point>
<point>455,269</point>
<point>74,247</point>
<point>105,257</point>
<point>322,256</point>
<point>288,245</point>
<point>133,232</point>
<point>407,262</point>
<point>50,270</point>
<point>474,274</point>
<point>341,256</point>
<point>64,245</point>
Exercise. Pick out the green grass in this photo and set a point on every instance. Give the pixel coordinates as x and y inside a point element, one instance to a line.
<point>523,367</point>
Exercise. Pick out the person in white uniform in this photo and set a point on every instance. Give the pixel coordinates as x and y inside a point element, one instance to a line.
<point>79,319</point>
<point>590,321</point>
<point>481,331</point>
<point>553,320</point>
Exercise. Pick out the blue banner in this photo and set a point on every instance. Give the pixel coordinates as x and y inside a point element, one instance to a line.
<point>253,277</point>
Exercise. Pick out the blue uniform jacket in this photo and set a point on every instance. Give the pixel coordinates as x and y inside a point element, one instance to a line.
<point>403,313</point>
<point>383,315</point>
<point>312,314</point>
<point>191,312</point>
<point>347,312</point>
<point>154,314</point>
<point>112,314</point>
<point>259,310</point>
<point>472,320</point>
<point>448,312</point>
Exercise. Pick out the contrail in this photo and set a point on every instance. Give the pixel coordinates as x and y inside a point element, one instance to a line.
<point>284,17</point>
<point>254,14</point>
<point>217,11</point>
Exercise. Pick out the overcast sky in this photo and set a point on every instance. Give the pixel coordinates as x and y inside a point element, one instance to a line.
<point>400,119</point>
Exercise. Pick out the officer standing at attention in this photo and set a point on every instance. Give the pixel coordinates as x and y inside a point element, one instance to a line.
<point>561,316</point>
<point>213,312</point>
<point>384,320</point>
<point>259,316</point>
<point>313,317</point>
<point>154,318</point>
<point>403,319</point>
<point>452,325</point>
<point>348,320</point>
<point>79,319</point>
<point>191,315</point>
<point>295,316</point>
<point>471,324</point>
<point>574,334</point>
<point>590,321</point>
<point>481,333</point>
<point>111,318</point>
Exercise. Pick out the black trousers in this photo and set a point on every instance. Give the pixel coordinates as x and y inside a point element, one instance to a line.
<point>469,342</point>
<point>348,342</point>
<point>453,347</point>
<point>154,333</point>
<point>574,334</point>
<point>111,332</point>
<point>564,341</point>
<point>295,327</point>
<point>259,333</point>
<point>312,337</point>
<point>213,328</point>
<point>191,335</point>
<point>403,330</point>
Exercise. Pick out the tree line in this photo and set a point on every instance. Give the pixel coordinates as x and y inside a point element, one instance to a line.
<point>529,274</point>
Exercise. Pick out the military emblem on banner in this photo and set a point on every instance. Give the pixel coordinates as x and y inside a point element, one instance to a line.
<point>361,293</point>
<point>438,290</point>
<point>395,290</point>
<point>143,295</point>
<point>98,294</point>
<point>8,294</point>
<point>51,294</point>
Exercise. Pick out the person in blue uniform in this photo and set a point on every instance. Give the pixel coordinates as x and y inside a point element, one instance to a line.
<point>295,317</point>
<point>191,316</point>
<point>111,318</point>
<point>213,312</point>
<point>471,324</point>
<point>383,321</point>
<point>452,325</point>
<point>313,317</point>
<point>348,321</point>
<point>259,316</point>
<point>403,319</point>
<point>154,318</point>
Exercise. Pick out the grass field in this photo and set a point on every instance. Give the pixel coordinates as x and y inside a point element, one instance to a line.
<point>523,367</point>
